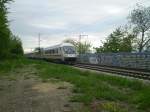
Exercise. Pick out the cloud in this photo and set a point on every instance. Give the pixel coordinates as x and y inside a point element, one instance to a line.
<point>56,18</point>
<point>54,25</point>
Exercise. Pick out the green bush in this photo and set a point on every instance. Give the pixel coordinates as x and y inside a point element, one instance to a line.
<point>9,44</point>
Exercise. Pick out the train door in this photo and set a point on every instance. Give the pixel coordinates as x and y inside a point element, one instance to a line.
<point>61,53</point>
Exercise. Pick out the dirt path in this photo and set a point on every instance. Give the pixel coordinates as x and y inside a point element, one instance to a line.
<point>23,91</point>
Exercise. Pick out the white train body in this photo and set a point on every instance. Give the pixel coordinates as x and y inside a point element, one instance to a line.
<point>64,52</point>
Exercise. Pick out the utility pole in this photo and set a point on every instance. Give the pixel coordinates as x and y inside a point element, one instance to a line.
<point>80,44</point>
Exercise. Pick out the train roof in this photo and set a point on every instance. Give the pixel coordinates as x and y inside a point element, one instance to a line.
<point>59,45</point>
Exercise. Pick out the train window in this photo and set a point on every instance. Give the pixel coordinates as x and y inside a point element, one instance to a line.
<point>46,52</point>
<point>50,51</point>
<point>56,51</point>
<point>69,49</point>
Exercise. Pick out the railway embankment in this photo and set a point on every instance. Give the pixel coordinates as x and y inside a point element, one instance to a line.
<point>42,86</point>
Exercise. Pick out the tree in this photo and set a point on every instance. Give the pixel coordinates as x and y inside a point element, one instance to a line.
<point>9,44</point>
<point>4,29</point>
<point>16,46</point>
<point>118,41</point>
<point>147,49</point>
<point>84,47</point>
<point>126,44</point>
<point>112,43</point>
<point>71,41</point>
<point>140,20</point>
<point>81,47</point>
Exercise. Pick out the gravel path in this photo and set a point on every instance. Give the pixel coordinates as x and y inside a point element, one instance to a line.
<point>23,91</point>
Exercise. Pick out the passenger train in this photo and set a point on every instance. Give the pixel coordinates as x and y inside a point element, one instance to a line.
<point>64,52</point>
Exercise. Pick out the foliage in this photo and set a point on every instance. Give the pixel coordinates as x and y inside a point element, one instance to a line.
<point>84,47</point>
<point>71,41</point>
<point>133,93</point>
<point>16,46</point>
<point>135,38</point>
<point>92,86</point>
<point>118,41</point>
<point>140,20</point>
<point>4,29</point>
<point>81,47</point>
<point>9,44</point>
<point>114,93</point>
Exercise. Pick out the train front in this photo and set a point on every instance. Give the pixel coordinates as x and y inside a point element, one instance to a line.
<point>69,54</point>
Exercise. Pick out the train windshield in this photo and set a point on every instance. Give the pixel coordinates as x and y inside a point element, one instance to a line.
<point>69,50</point>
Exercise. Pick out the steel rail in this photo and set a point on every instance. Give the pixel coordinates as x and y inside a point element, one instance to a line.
<point>119,71</point>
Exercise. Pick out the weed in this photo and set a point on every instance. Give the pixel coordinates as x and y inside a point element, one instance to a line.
<point>90,86</point>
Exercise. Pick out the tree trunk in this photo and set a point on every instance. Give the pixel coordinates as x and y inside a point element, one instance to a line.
<point>142,41</point>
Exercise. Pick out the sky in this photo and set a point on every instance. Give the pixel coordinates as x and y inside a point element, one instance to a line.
<point>57,20</point>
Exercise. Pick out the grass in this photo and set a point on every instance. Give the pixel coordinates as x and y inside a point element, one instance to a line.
<point>90,87</point>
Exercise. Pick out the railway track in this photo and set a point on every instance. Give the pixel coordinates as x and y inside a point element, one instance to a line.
<point>120,71</point>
